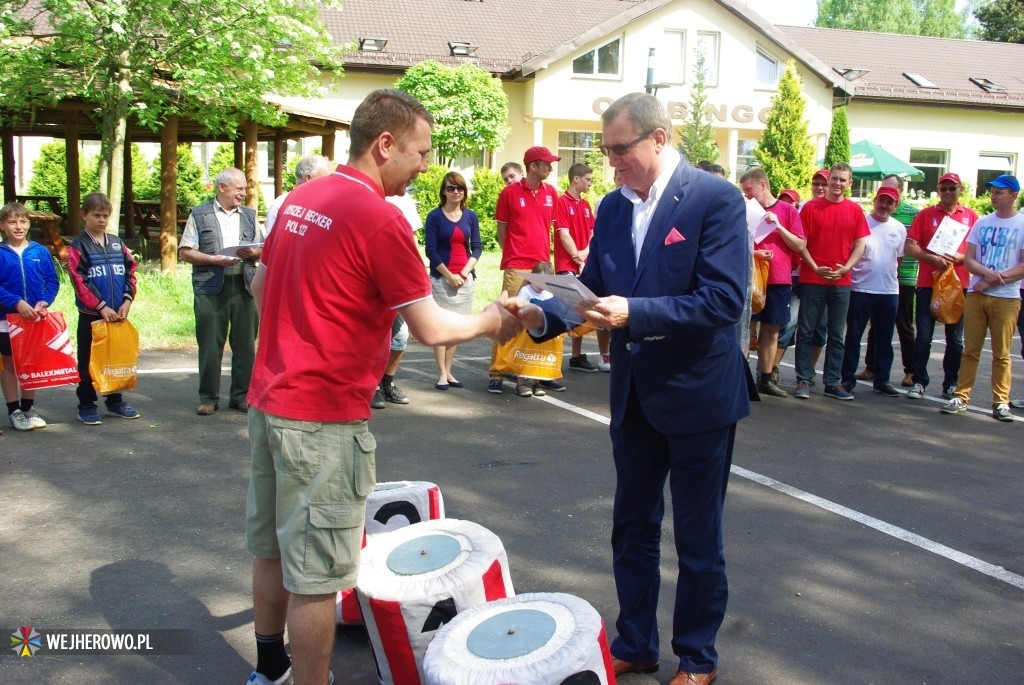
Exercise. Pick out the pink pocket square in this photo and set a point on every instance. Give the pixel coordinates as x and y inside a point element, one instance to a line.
<point>674,237</point>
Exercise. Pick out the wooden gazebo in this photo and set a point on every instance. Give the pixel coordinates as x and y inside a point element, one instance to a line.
<point>75,120</point>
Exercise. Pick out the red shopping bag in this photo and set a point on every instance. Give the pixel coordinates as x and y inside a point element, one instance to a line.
<point>42,352</point>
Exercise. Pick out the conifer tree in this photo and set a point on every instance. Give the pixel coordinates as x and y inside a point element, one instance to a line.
<point>785,151</point>
<point>838,148</point>
<point>698,135</point>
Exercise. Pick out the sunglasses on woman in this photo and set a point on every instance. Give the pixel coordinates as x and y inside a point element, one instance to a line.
<point>454,189</point>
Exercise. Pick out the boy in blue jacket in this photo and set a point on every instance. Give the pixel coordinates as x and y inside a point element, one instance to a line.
<point>28,286</point>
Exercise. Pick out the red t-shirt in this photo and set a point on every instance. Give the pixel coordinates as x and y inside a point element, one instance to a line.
<point>573,215</point>
<point>831,229</point>
<point>459,255</point>
<point>528,214</point>
<point>923,228</point>
<point>783,261</point>
<point>339,262</point>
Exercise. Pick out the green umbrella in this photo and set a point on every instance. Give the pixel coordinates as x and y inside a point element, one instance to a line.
<point>871,162</point>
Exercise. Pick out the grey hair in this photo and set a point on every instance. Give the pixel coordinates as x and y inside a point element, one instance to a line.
<point>228,175</point>
<point>645,111</point>
<point>309,165</point>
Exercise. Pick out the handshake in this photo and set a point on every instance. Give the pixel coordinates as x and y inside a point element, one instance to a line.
<point>506,316</point>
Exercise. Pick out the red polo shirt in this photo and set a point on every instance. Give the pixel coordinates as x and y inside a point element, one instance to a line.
<point>831,229</point>
<point>339,262</point>
<point>923,228</point>
<point>528,214</point>
<point>573,215</point>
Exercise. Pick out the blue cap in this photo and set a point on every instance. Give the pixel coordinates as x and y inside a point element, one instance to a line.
<point>1005,181</point>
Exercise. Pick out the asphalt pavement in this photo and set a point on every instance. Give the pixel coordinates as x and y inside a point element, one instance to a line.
<point>872,541</point>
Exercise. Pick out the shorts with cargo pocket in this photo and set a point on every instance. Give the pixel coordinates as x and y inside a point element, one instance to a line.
<point>307,498</point>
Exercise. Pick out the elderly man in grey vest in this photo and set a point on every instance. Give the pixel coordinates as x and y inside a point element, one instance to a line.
<point>223,303</point>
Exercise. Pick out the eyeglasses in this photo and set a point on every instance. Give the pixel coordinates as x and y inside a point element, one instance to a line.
<point>820,185</point>
<point>948,189</point>
<point>622,148</point>
<point>454,189</point>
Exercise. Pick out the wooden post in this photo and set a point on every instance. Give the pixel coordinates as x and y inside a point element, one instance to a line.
<point>252,167</point>
<point>327,146</point>
<point>239,153</point>
<point>128,194</point>
<point>279,144</point>
<point>169,195</point>
<point>10,183</point>
<point>73,212</point>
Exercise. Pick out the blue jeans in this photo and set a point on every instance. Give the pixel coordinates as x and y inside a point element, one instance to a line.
<point>881,310</point>
<point>817,301</point>
<point>923,343</point>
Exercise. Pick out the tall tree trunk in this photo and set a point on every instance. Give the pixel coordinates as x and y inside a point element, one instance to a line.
<point>114,133</point>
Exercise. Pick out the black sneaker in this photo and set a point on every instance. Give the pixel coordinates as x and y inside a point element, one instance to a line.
<point>887,390</point>
<point>494,385</point>
<point>553,386</point>
<point>581,363</point>
<point>838,392</point>
<point>378,401</point>
<point>768,387</point>
<point>392,393</point>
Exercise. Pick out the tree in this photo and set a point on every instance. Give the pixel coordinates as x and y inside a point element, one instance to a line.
<point>939,18</point>
<point>838,148</point>
<point>698,135</point>
<point>191,189</point>
<point>50,176</point>
<point>469,106</point>
<point>210,60</point>
<point>785,151</point>
<point>910,17</point>
<point>1001,21</point>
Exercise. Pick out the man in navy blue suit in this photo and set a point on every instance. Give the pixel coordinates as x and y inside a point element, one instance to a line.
<point>669,264</point>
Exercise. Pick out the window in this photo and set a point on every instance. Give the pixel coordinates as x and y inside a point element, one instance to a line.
<point>603,61</point>
<point>707,42</point>
<point>745,159</point>
<point>671,58</point>
<point>933,163</point>
<point>988,86</point>
<point>574,145</point>
<point>992,164</point>
<point>768,68</point>
<point>919,80</point>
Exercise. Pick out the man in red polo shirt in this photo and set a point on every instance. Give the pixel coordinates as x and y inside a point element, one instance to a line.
<point>339,265</point>
<point>920,234</point>
<point>524,213</point>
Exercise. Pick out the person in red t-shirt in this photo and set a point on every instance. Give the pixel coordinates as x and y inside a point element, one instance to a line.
<point>923,228</point>
<point>525,212</point>
<point>836,233</point>
<point>574,225</point>
<point>339,265</point>
<point>780,248</point>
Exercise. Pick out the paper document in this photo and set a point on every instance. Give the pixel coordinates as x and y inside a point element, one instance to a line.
<point>757,225</point>
<point>231,250</point>
<point>569,291</point>
<point>948,237</point>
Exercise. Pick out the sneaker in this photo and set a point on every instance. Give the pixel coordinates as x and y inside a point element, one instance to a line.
<point>259,679</point>
<point>19,421</point>
<point>35,419</point>
<point>838,392</point>
<point>392,393</point>
<point>581,363</point>
<point>123,410</point>
<point>916,392</point>
<point>89,416</point>
<point>494,386</point>
<point>865,375</point>
<point>524,391</point>
<point>775,375</point>
<point>887,390</point>
<point>1002,412</point>
<point>538,391</point>
<point>769,387</point>
<point>1017,403</point>
<point>947,393</point>
<point>378,401</point>
<point>956,406</point>
<point>908,380</point>
<point>803,390</point>
<point>553,386</point>
<point>605,364</point>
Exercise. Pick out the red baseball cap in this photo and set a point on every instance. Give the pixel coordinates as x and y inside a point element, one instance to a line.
<point>791,194</point>
<point>824,173</point>
<point>539,153</point>
<point>890,192</point>
<point>950,177</point>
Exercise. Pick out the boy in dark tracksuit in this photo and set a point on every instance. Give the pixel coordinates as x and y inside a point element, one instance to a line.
<point>103,276</point>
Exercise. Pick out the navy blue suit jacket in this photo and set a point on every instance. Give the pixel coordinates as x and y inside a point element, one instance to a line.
<point>680,349</point>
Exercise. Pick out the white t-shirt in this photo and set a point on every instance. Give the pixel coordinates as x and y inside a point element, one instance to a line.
<point>529,293</point>
<point>997,245</point>
<point>273,209</point>
<point>875,273</point>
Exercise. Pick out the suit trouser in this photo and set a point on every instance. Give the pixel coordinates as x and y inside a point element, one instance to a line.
<point>511,282</point>
<point>697,468</point>
<point>997,316</point>
<point>230,316</point>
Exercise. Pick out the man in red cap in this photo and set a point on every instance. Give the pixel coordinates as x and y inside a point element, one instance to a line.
<point>525,214</point>
<point>875,293</point>
<point>925,224</point>
<point>819,184</point>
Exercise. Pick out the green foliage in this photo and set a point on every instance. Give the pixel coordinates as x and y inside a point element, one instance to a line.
<point>785,151</point>
<point>487,185</point>
<point>982,205</point>
<point>909,17</point>
<point>697,141</point>
<point>1001,21</point>
<point>50,176</point>
<point>838,148</point>
<point>469,105</point>
<point>191,189</point>
<point>426,189</point>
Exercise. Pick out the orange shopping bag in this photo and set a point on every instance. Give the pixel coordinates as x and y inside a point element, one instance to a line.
<point>948,300</point>
<point>521,356</point>
<point>42,352</point>
<point>760,285</point>
<point>114,361</point>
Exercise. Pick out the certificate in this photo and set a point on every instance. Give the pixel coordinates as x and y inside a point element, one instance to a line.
<point>948,237</point>
<point>570,292</point>
<point>232,250</point>
<point>758,226</point>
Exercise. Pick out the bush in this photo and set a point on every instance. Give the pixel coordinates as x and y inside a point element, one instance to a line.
<point>426,187</point>
<point>191,190</point>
